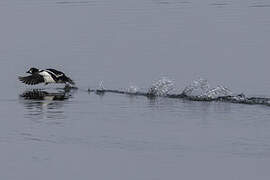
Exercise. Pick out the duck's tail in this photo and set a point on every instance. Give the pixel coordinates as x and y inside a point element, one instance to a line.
<point>70,81</point>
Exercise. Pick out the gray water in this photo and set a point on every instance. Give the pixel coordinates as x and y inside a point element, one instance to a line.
<point>124,43</point>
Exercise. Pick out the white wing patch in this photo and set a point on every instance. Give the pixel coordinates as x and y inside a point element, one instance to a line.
<point>56,75</point>
<point>47,77</point>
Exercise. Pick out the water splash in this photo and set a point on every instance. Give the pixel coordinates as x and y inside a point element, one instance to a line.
<point>161,87</point>
<point>198,90</point>
<point>201,88</point>
<point>132,89</point>
<point>219,91</point>
<point>101,86</point>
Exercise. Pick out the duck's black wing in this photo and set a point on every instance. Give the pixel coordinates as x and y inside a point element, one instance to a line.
<point>32,79</point>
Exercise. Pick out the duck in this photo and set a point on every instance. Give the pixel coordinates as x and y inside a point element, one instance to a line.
<point>46,76</point>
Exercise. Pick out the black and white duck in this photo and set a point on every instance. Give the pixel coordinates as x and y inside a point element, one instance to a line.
<point>46,76</point>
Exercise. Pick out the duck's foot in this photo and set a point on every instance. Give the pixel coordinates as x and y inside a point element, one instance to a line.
<point>69,87</point>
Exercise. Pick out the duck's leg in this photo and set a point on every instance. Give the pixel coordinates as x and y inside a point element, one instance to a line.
<point>67,87</point>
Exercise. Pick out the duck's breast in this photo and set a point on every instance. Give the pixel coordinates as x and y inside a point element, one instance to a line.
<point>48,78</point>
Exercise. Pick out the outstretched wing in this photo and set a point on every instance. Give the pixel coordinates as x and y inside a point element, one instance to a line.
<point>32,80</point>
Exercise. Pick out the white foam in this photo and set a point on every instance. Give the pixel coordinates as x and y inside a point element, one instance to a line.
<point>201,88</point>
<point>161,87</point>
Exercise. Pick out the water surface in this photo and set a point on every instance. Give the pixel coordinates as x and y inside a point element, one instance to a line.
<point>123,43</point>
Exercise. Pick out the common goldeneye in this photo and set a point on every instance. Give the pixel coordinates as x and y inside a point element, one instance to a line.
<point>45,76</point>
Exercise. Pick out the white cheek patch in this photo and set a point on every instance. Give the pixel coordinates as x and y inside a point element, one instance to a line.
<point>47,77</point>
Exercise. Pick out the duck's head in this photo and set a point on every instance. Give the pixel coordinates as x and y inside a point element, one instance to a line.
<point>32,70</point>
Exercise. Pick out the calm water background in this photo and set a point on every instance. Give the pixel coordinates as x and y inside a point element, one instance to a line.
<point>123,43</point>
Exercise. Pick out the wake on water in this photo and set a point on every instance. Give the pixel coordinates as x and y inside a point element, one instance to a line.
<point>198,90</point>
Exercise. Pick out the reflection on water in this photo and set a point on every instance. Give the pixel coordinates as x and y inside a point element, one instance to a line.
<point>37,94</point>
<point>40,104</point>
<point>258,147</point>
<point>76,3</point>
